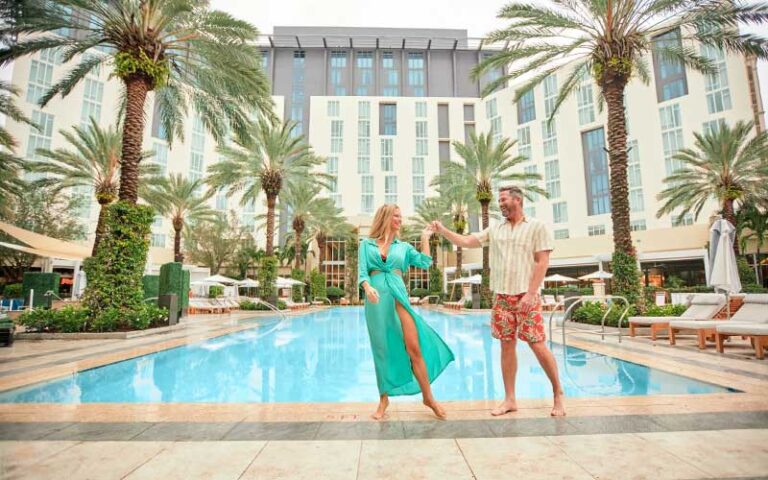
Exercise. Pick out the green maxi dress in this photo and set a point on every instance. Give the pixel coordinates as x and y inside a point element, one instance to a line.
<point>394,375</point>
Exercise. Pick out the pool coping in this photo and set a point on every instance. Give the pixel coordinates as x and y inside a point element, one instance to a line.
<point>753,388</point>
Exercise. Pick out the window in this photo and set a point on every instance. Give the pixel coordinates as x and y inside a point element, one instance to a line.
<point>668,72</point>
<point>387,119</point>
<point>561,234</point>
<point>161,156</point>
<point>297,92</point>
<point>364,73</point>
<point>390,81</point>
<point>416,73</point>
<point>586,104</point>
<point>716,84</point>
<point>363,164</point>
<point>83,195</point>
<point>596,172</point>
<point>363,139</point>
<point>363,128</point>
<point>264,60</point>
<point>469,129</point>
<point>594,230</point>
<point>332,261</point>
<point>550,95</point>
<point>421,109</point>
<point>196,162</point>
<point>418,181</point>
<point>40,76</point>
<point>491,109</point>
<point>387,155</point>
<point>560,212</point>
<point>532,170</point>
<point>421,129</point>
<point>712,126</point>
<point>524,142</point>
<point>552,177</point>
<point>469,112</point>
<point>332,169</point>
<point>529,211</point>
<point>496,129</point>
<point>92,95</point>
<point>158,240</point>
<point>549,136</point>
<point>158,130</point>
<point>366,199</point>
<point>443,127</point>
<point>491,75</point>
<point>678,221</point>
<point>364,109</point>
<point>157,222</point>
<point>390,189</point>
<point>637,225</point>
<point>333,108</point>
<point>338,73</point>
<point>337,136</point>
<point>671,136</point>
<point>39,138</point>
<point>526,108</point>
<point>634,178</point>
<point>421,138</point>
<point>221,200</point>
<point>444,151</point>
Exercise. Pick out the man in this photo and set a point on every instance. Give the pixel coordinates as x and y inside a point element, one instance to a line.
<point>519,258</point>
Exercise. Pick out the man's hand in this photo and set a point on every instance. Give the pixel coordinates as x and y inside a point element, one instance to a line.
<point>372,295</point>
<point>437,227</point>
<point>529,302</point>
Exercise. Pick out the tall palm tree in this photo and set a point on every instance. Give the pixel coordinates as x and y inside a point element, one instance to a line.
<point>460,200</point>
<point>268,159</point>
<point>189,55</point>
<point>609,40</point>
<point>91,160</point>
<point>430,210</point>
<point>484,164</point>
<point>11,166</point>
<point>178,198</point>
<point>729,165</point>
<point>308,210</point>
<point>751,217</point>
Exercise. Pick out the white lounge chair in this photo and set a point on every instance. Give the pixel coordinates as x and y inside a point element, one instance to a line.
<point>702,307</point>
<point>751,322</point>
<point>755,306</point>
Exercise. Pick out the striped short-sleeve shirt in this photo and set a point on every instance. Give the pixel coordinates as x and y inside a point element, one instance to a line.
<point>511,253</point>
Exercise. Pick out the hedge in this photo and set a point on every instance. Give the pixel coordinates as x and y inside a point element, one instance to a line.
<point>267,278</point>
<point>151,285</point>
<point>317,285</point>
<point>175,280</point>
<point>13,290</point>
<point>40,283</point>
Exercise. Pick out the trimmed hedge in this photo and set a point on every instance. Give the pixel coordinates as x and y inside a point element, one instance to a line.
<point>73,319</point>
<point>334,293</point>
<point>175,280</point>
<point>151,285</point>
<point>40,283</point>
<point>13,290</point>
<point>317,285</point>
<point>297,294</point>
<point>267,279</point>
<point>215,291</point>
<point>419,292</point>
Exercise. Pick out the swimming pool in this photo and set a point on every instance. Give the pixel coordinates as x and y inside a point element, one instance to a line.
<point>325,357</point>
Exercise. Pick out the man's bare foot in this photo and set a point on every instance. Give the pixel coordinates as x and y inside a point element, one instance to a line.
<point>436,408</point>
<point>507,406</point>
<point>381,411</point>
<point>559,409</point>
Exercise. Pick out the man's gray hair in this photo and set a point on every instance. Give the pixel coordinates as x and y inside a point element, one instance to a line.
<point>512,190</point>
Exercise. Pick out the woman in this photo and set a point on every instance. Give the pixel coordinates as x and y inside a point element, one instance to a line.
<point>407,353</point>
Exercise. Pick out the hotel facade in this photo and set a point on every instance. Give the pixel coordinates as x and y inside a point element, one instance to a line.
<point>384,106</point>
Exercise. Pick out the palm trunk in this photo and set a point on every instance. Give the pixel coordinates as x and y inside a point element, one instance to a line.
<point>136,88</point>
<point>100,227</point>
<point>730,215</point>
<point>617,151</point>
<point>271,201</point>
<point>485,289</point>
<point>297,248</point>
<point>177,255</point>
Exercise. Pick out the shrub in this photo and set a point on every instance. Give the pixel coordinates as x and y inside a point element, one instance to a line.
<point>115,273</point>
<point>172,282</point>
<point>13,290</point>
<point>107,320</point>
<point>592,313</point>
<point>467,303</point>
<point>281,305</point>
<point>435,280</point>
<point>68,319</point>
<point>247,305</point>
<point>37,320</point>
<point>151,284</point>
<point>40,283</point>
<point>215,291</point>
<point>746,273</point>
<point>334,293</point>
<point>297,292</point>
<point>753,288</point>
<point>674,282</point>
<point>664,310</point>
<point>419,292</point>
<point>149,316</point>
<point>317,285</point>
<point>267,278</point>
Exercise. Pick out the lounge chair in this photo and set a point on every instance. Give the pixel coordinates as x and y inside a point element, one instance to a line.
<point>754,305</point>
<point>702,307</point>
<point>751,322</point>
<point>548,303</point>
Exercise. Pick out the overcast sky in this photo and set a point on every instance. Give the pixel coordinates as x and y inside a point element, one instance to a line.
<point>478,17</point>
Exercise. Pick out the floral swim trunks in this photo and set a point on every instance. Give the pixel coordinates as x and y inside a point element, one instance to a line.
<point>507,319</point>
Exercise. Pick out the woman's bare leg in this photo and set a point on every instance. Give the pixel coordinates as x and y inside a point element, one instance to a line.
<point>411,337</point>
<point>381,411</point>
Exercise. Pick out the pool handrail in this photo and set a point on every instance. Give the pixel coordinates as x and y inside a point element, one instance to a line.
<point>272,307</point>
<point>422,301</point>
<point>577,301</point>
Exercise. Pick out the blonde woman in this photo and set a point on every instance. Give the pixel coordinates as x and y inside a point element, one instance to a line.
<point>408,353</point>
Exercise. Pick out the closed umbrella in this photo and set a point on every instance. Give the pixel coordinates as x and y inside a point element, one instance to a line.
<point>723,271</point>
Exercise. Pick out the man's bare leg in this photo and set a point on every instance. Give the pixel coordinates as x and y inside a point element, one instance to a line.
<point>548,363</point>
<point>508,373</point>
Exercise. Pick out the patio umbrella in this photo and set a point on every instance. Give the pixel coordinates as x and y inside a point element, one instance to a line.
<point>557,279</point>
<point>248,283</point>
<point>220,279</point>
<point>723,271</point>
<point>597,275</point>
<point>283,282</point>
<point>474,280</point>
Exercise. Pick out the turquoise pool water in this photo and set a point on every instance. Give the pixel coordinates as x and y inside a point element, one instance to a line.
<point>325,357</point>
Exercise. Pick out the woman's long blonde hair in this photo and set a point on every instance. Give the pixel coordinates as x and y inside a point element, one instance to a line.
<point>382,222</point>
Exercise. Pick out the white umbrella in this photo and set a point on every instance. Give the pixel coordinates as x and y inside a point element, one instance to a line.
<point>597,275</point>
<point>220,279</point>
<point>283,282</point>
<point>247,283</point>
<point>557,278</point>
<point>723,272</point>
<point>206,283</point>
<point>474,280</point>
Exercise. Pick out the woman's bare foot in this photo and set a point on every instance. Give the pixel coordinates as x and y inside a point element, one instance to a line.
<point>436,408</point>
<point>505,407</point>
<point>558,410</point>
<point>381,411</point>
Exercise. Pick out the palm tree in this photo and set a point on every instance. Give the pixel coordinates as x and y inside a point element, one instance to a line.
<point>268,159</point>
<point>428,211</point>
<point>333,227</point>
<point>459,198</point>
<point>189,55</point>
<point>93,160</point>
<point>485,164</point>
<point>610,39</point>
<point>11,183</point>
<point>751,217</point>
<point>307,211</point>
<point>178,198</point>
<point>729,165</point>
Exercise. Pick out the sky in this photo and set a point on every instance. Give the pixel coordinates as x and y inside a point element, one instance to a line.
<point>478,17</point>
